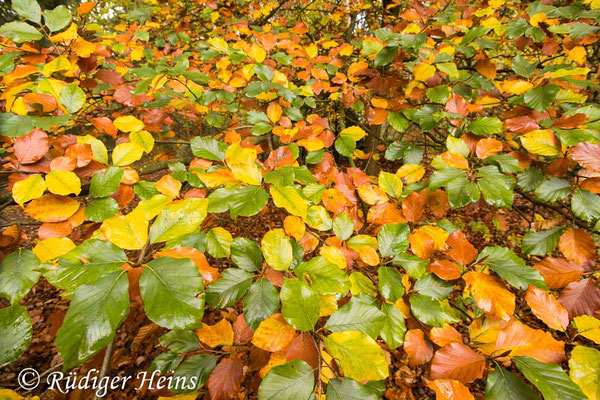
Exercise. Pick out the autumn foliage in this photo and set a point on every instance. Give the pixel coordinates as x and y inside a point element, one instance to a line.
<point>305,199</point>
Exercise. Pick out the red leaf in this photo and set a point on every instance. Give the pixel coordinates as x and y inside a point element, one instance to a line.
<point>457,361</point>
<point>109,77</point>
<point>522,124</point>
<point>225,380</point>
<point>580,298</point>
<point>242,333</point>
<point>303,348</point>
<point>31,147</point>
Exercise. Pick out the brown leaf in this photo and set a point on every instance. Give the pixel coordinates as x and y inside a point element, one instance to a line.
<point>580,298</point>
<point>457,361</point>
<point>31,147</point>
<point>242,333</point>
<point>547,308</point>
<point>570,121</point>
<point>225,380</point>
<point>591,184</point>
<point>419,350</point>
<point>587,154</point>
<point>578,246</point>
<point>522,124</point>
<point>413,206</point>
<point>109,77</point>
<point>462,251</point>
<point>521,340</point>
<point>303,348</point>
<point>450,389</point>
<point>558,272</point>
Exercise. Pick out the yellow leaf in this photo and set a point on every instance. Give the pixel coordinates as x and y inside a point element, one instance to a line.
<point>218,334</point>
<point>411,172</point>
<point>372,194</point>
<point>58,64</point>
<point>99,152</point>
<point>368,255</point>
<point>422,72</point>
<point>143,139</point>
<point>274,112</point>
<point>83,48</point>
<point>31,188</point>
<point>277,249</point>
<point>518,86</point>
<point>438,234</point>
<point>257,53</point>
<point>65,36</point>
<point>490,294</point>
<point>49,249</point>
<point>334,255</point>
<point>287,197</point>
<point>541,142</point>
<point>126,153</point>
<point>6,394</point>
<point>128,232</point>
<point>353,133</point>
<point>273,334</point>
<point>312,50</point>
<point>242,163</point>
<point>588,327</point>
<point>63,182</point>
<point>128,123</point>
<point>218,44</point>
<point>358,355</point>
<point>577,54</point>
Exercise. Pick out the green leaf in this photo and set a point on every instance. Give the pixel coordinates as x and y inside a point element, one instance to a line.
<point>497,188</point>
<point>325,277</point>
<point>415,267</point>
<point>169,289</point>
<point>218,242</point>
<point>358,355</point>
<point>246,254</point>
<point>57,18</point>
<point>393,239</point>
<point>277,250</point>
<point>180,340</point>
<point>20,32</point>
<point>357,316</point>
<point>439,94</point>
<point>541,97</point>
<point>348,389</point>
<point>434,287</point>
<point>208,148</point>
<point>430,311</point>
<point>318,218</point>
<point>84,265</point>
<point>300,304</point>
<point>550,379</point>
<point>345,146</point>
<point>542,242</point>
<point>226,291</point>
<point>398,122</point>
<point>444,176</point>
<point>192,373</point>
<point>530,179</point>
<point>522,67</point>
<point>178,219</point>
<point>98,210</point>
<point>390,283</point>
<point>247,201</point>
<point>511,267</point>
<point>18,274</point>
<point>462,192</point>
<point>393,329</point>
<point>385,56</point>
<point>485,126</point>
<point>72,97</point>
<point>94,315</point>
<point>586,205</point>
<point>15,332</point>
<point>584,368</point>
<point>13,125</point>
<point>289,198</point>
<point>505,385</point>
<point>260,302</point>
<point>291,381</point>
<point>106,183</point>
<point>29,9</point>
<point>553,189</point>
<point>165,362</point>
<point>343,227</point>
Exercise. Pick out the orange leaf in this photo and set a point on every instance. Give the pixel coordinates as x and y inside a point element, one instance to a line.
<point>438,203</point>
<point>421,244</point>
<point>303,348</point>
<point>522,340</point>
<point>455,160</point>
<point>578,246</point>
<point>484,332</point>
<point>168,186</point>
<point>591,184</point>
<point>273,334</point>
<point>412,206</point>
<point>488,147</point>
<point>547,308</point>
<point>419,350</point>
<point>457,361</point>
<point>445,335</point>
<point>294,227</point>
<point>218,334</point>
<point>52,208</point>
<point>462,251</point>
<point>558,272</point>
<point>450,389</point>
<point>209,274</point>
<point>490,294</point>
<point>447,270</point>
<point>274,112</point>
<point>86,7</point>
